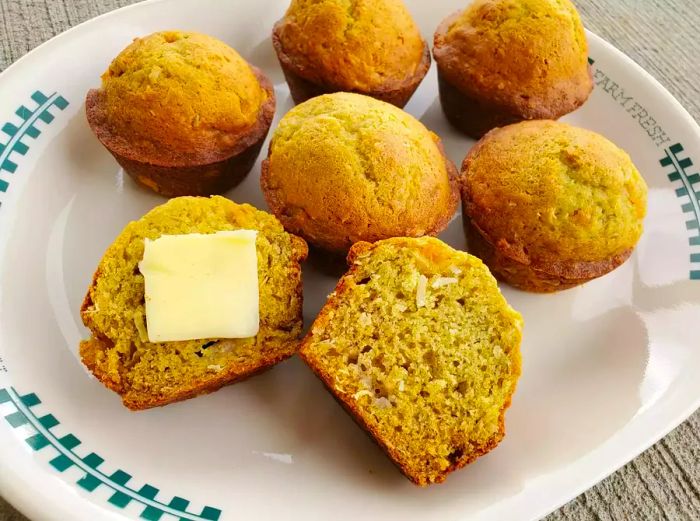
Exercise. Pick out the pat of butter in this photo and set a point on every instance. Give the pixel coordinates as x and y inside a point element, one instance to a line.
<point>201,286</point>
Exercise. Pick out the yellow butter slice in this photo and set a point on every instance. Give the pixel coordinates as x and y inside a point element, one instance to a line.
<point>201,286</point>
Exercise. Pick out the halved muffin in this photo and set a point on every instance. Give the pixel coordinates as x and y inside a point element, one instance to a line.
<point>344,168</point>
<point>182,113</point>
<point>420,347</point>
<point>504,61</point>
<point>149,374</point>
<point>371,47</point>
<point>548,206</point>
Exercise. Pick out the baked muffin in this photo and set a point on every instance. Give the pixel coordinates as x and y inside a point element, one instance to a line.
<point>343,168</point>
<point>148,374</point>
<point>372,47</point>
<point>549,206</point>
<point>182,113</point>
<point>420,347</point>
<point>504,61</point>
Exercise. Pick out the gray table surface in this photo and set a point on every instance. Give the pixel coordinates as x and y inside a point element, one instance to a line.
<point>663,36</point>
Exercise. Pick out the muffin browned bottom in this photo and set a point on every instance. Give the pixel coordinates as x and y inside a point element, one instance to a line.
<point>177,178</point>
<point>469,115</point>
<point>302,89</point>
<point>542,278</point>
<point>175,181</point>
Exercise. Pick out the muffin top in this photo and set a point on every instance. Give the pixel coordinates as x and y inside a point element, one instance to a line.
<point>351,44</point>
<point>545,192</point>
<point>527,55</point>
<point>345,167</point>
<point>180,93</point>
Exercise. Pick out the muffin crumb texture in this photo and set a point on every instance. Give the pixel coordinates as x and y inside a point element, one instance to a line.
<point>355,45</point>
<point>148,374</point>
<point>420,346</point>
<point>177,91</point>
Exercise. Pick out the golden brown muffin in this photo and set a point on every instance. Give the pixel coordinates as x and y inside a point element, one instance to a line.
<point>420,347</point>
<point>372,47</point>
<point>549,206</point>
<point>147,374</point>
<point>182,113</point>
<point>343,168</point>
<point>504,61</point>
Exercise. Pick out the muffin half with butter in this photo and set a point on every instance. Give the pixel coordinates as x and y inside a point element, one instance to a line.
<point>372,47</point>
<point>183,113</point>
<point>197,294</point>
<point>344,168</point>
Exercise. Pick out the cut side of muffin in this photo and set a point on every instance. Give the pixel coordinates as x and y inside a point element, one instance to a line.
<point>149,374</point>
<point>420,347</point>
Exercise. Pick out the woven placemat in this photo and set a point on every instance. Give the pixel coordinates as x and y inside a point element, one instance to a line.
<point>660,35</point>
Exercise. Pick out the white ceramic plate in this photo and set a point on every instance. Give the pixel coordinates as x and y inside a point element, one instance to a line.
<point>609,367</point>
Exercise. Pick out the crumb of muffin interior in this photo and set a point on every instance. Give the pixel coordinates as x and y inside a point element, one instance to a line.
<point>420,347</point>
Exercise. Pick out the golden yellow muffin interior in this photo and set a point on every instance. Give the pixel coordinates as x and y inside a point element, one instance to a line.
<point>536,48</point>
<point>419,343</point>
<point>352,44</point>
<point>141,370</point>
<point>177,90</point>
<point>349,167</point>
<point>555,192</point>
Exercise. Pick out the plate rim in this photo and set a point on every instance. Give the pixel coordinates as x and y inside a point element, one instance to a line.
<point>16,481</point>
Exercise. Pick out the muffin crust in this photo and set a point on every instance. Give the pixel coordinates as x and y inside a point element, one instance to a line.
<point>503,61</point>
<point>366,46</point>
<point>548,206</point>
<point>182,112</point>
<point>344,167</point>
